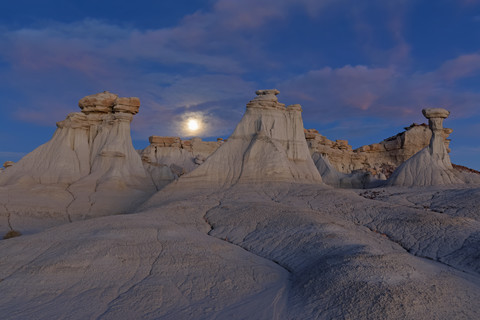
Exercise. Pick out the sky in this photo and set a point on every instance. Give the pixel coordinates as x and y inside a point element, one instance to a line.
<point>362,70</point>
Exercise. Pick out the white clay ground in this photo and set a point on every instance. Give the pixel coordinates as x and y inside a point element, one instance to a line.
<point>272,251</point>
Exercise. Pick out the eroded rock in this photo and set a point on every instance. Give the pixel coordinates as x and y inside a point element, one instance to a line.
<point>267,145</point>
<point>430,166</point>
<point>88,168</point>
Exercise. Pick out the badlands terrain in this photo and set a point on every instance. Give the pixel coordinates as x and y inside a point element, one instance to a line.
<point>276,222</point>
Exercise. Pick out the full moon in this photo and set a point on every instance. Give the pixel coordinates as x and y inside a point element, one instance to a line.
<point>193,125</point>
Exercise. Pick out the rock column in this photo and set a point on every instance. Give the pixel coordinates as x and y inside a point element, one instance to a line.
<point>435,118</point>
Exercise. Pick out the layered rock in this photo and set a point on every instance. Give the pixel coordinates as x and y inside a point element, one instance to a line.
<point>431,165</point>
<point>379,159</point>
<point>167,158</point>
<point>364,165</point>
<point>268,145</point>
<point>89,167</point>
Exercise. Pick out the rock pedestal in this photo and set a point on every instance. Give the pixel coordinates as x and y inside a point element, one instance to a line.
<point>430,166</point>
<point>435,118</point>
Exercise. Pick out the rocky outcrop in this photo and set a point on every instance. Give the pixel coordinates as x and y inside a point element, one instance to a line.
<point>88,168</point>
<point>378,159</point>
<point>268,145</point>
<point>430,166</point>
<point>167,158</point>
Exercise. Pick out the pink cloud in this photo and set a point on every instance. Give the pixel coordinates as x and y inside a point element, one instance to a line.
<point>460,67</point>
<point>354,87</point>
<point>328,94</point>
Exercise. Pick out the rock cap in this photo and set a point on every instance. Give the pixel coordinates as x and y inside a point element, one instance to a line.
<point>435,113</point>
<point>102,102</point>
<point>266,99</point>
<point>269,94</point>
<point>127,105</point>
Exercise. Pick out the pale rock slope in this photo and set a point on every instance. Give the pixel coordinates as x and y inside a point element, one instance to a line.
<point>88,168</point>
<point>334,178</point>
<point>431,166</point>
<point>267,145</point>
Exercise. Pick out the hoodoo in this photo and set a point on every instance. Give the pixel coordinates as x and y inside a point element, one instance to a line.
<point>268,145</point>
<point>89,167</point>
<point>430,166</point>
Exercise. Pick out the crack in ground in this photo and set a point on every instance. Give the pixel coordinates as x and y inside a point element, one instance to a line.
<point>29,262</point>
<point>237,245</point>
<point>129,289</point>
<point>8,216</point>
<point>438,259</point>
<point>208,222</point>
<point>68,206</point>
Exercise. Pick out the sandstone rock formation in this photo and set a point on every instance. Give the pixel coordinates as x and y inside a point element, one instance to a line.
<point>167,158</point>
<point>431,165</point>
<point>88,168</point>
<point>364,165</point>
<point>379,159</point>
<point>267,145</point>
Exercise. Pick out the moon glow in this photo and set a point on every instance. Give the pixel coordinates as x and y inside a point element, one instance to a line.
<point>193,125</point>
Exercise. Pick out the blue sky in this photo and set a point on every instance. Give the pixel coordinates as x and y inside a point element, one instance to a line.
<point>362,70</point>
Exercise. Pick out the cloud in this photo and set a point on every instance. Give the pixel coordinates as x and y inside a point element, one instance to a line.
<point>252,14</point>
<point>211,62</point>
<point>94,48</point>
<point>219,99</point>
<point>54,66</point>
<point>199,39</point>
<point>380,36</point>
<point>383,93</point>
<point>461,67</point>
